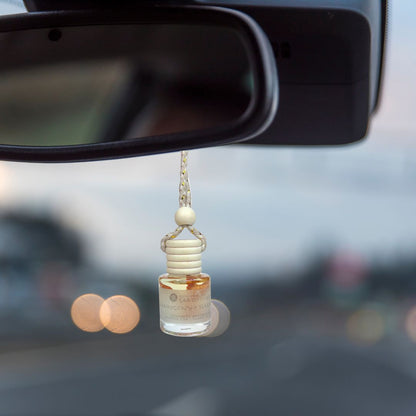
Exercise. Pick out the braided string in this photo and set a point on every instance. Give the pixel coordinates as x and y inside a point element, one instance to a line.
<point>185,200</point>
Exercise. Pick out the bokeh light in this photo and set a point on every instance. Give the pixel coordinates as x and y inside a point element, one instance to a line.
<point>220,319</point>
<point>410,324</point>
<point>85,312</point>
<point>366,326</point>
<point>119,314</point>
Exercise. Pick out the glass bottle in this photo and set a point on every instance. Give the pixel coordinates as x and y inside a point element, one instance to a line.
<point>184,291</point>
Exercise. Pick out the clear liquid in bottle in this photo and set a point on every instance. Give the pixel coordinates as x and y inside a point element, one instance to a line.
<point>184,303</point>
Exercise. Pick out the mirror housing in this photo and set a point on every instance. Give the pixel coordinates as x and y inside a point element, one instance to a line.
<point>263,82</point>
<point>330,56</point>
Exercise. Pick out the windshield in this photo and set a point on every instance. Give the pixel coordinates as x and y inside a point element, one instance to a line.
<point>312,250</point>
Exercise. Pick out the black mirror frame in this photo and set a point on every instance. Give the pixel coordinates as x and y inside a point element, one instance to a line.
<point>255,120</point>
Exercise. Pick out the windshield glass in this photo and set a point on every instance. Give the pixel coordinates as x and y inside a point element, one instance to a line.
<point>312,250</point>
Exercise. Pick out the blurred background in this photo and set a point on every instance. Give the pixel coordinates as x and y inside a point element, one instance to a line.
<point>312,250</point>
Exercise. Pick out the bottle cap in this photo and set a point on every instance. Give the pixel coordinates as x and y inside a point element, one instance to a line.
<point>183,257</point>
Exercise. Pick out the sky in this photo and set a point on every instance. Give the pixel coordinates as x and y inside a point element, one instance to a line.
<point>263,210</point>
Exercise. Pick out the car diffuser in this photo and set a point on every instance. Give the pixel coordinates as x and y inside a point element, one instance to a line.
<point>184,291</point>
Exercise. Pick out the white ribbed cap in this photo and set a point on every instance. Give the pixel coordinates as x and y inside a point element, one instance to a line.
<point>183,257</point>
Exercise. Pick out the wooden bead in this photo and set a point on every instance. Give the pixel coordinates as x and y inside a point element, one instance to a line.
<point>185,216</point>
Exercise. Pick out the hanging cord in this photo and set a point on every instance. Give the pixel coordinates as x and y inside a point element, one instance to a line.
<point>185,201</point>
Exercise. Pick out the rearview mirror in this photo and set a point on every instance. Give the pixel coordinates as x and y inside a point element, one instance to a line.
<point>87,86</point>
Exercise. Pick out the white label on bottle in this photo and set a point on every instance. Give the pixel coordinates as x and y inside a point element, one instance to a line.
<point>185,306</point>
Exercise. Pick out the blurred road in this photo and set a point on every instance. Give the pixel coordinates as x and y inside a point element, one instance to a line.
<point>150,373</point>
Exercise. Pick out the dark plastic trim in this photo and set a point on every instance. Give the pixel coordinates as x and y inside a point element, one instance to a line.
<point>255,120</point>
<point>384,34</point>
<point>54,5</point>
